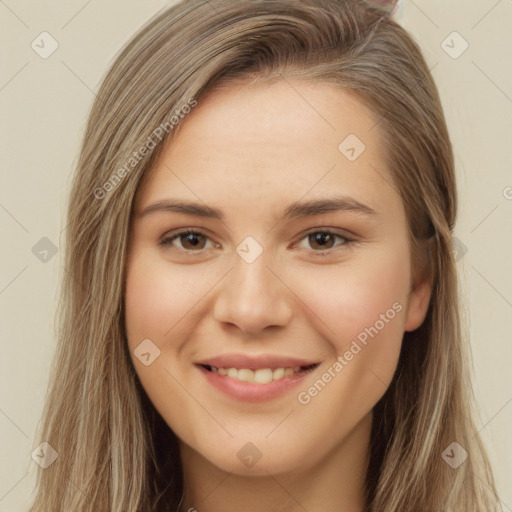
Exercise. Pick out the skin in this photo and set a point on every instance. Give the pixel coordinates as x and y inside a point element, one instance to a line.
<point>250,152</point>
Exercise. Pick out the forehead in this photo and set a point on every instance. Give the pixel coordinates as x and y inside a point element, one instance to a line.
<point>274,142</point>
<point>270,114</point>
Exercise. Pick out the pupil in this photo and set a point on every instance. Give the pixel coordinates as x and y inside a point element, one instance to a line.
<point>319,236</point>
<point>190,237</point>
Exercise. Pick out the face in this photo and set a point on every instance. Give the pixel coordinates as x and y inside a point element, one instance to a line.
<point>269,278</point>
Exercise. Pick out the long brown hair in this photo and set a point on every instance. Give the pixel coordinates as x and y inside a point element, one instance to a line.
<point>115,452</point>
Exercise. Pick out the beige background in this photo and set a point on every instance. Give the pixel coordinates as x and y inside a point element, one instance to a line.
<point>44,103</point>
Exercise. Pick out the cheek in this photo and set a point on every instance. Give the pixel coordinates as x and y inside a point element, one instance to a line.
<point>362,313</point>
<point>349,298</point>
<point>360,310</point>
<point>160,306</point>
<point>158,297</point>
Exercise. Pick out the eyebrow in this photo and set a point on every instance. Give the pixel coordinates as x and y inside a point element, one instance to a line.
<point>294,211</point>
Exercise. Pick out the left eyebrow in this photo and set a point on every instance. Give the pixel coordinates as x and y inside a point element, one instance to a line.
<point>329,205</point>
<point>294,211</point>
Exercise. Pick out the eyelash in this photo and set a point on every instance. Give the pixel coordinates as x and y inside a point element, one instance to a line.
<point>168,239</point>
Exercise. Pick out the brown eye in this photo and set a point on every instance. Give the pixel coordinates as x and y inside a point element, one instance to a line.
<point>325,241</point>
<point>321,240</point>
<point>193,241</point>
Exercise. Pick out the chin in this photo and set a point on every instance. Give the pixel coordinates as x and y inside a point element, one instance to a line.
<point>253,459</point>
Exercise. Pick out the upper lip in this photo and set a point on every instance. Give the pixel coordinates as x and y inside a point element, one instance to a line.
<point>255,362</point>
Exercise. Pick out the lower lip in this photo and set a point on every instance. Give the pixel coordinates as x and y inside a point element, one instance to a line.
<point>252,392</point>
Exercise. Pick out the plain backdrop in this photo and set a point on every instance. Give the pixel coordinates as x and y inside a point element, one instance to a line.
<point>44,103</point>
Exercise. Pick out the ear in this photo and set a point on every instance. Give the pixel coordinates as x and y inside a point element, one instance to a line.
<point>419,299</point>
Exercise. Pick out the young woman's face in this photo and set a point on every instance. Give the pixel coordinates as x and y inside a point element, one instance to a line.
<point>296,280</point>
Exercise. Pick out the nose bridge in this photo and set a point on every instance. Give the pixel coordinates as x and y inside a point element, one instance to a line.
<point>252,296</point>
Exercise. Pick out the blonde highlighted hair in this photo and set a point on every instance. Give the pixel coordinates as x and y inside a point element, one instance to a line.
<point>115,452</point>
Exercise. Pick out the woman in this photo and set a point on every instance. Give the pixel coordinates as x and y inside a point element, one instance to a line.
<point>215,354</point>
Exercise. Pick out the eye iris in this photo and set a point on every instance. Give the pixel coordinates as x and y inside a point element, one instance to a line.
<point>318,237</point>
<point>189,237</point>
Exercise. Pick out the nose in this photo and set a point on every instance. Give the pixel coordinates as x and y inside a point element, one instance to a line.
<point>253,297</point>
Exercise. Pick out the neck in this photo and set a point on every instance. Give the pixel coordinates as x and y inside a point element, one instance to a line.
<point>335,483</point>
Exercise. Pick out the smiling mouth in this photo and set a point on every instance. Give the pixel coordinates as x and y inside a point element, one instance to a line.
<point>261,375</point>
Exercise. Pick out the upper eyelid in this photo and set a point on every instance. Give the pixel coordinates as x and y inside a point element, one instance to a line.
<point>182,231</point>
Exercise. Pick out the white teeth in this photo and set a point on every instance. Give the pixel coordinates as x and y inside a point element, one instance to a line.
<point>261,376</point>
<point>245,375</point>
<point>278,373</point>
